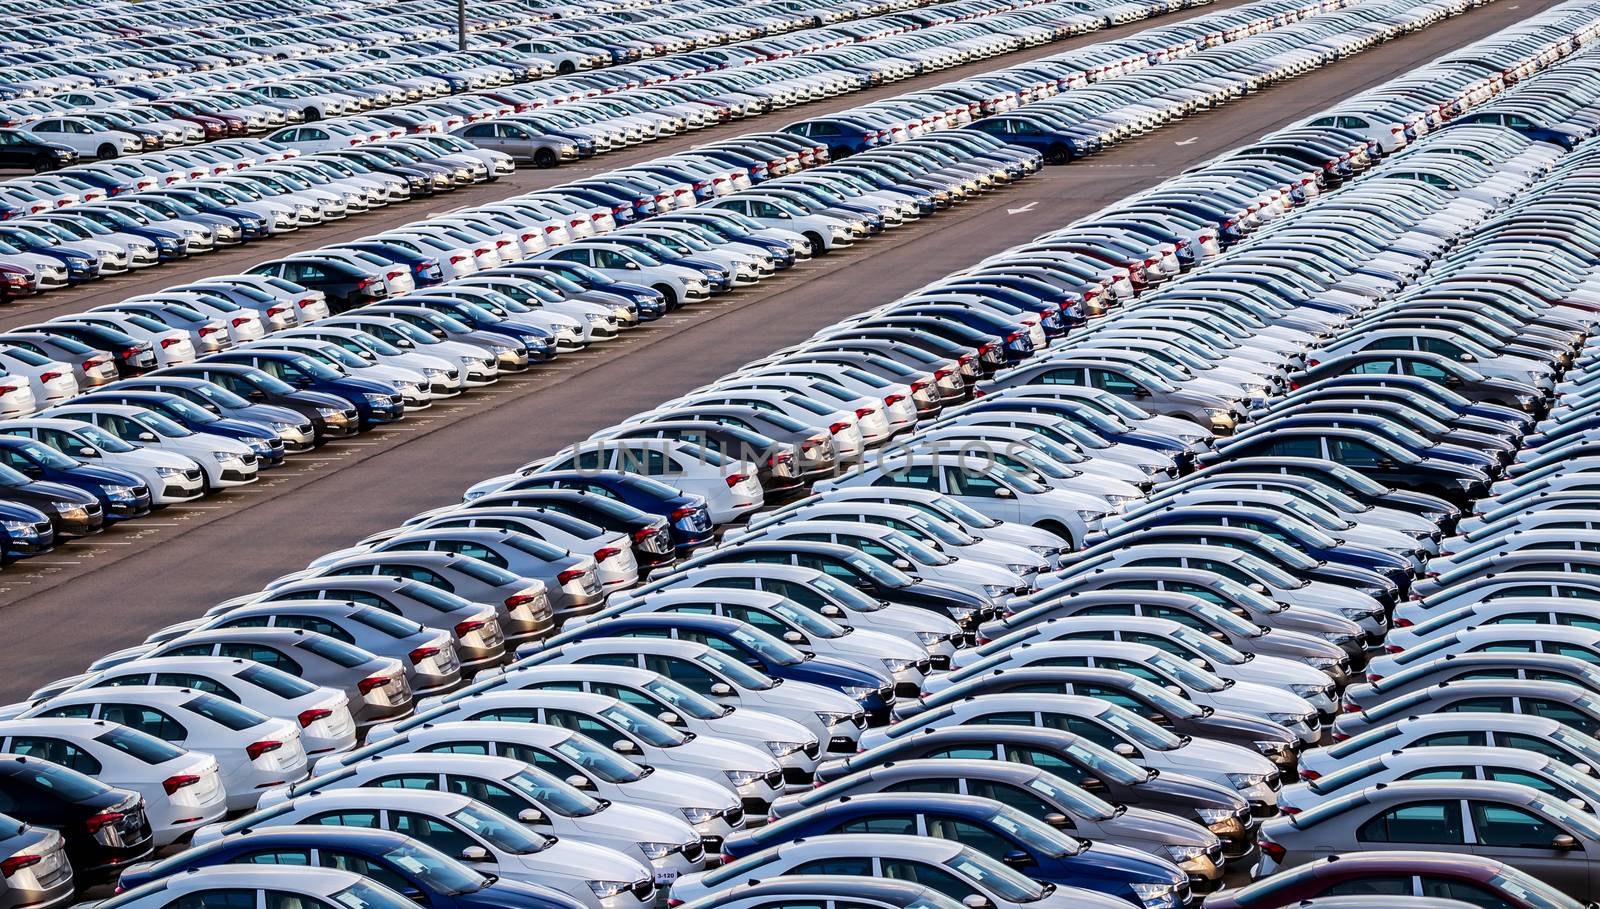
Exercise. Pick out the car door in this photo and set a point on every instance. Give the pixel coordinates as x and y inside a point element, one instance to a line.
<point>980,492</point>
<point>1526,839</point>
<point>1434,825</point>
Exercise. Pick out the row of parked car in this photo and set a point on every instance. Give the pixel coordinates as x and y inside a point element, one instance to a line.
<point>791,715</point>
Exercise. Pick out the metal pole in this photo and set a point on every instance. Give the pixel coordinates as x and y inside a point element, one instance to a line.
<point>461,24</point>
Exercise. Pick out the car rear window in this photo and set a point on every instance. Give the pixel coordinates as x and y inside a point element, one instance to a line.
<point>146,748</point>
<point>483,571</point>
<point>69,784</point>
<point>335,651</point>
<point>276,681</point>
<point>225,713</point>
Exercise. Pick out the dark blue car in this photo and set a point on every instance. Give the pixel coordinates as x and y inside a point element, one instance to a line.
<point>375,402</point>
<point>874,691</point>
<point>687,515</point>
<point>122,495</point>
<point>402,863</point>
<point>993,828</point>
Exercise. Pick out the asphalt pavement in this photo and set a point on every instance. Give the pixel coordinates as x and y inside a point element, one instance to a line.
<point>61,610</point>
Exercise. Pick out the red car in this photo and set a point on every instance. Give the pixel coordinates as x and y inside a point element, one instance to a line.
<point>1470,879</point>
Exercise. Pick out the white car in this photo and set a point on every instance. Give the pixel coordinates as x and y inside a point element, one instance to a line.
<point>622,262</point>
<point>182,789</point>
<point>533,796</point>
<point>582,762</point>
<point>822,233</point>
<point>85,136</point>
<point>172,477</point>
<point>444,376</point>
<point>900,550</point>
<point>322,714</point>
<point>241,323</point>
<point>478,364</point>
<point>253,751</point>
<point>598,877</point>
<point>415,388</point>
<point>616,567</point>
<point>753,775</point>
<point>225,461</point>
<point>17,398</point>
<point>171,346</point>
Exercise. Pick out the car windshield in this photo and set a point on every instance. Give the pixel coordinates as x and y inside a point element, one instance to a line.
<point>392,625</point>
<point>1082,802</point>
<point>607,765</point>
<point>70,785</point>
<point>881,574</point>
<point>995,878</point>
<point>635,722</point>
<point>1017,480</point>
<point>1190,675</point>
<point>1138,728</point>
<point>361,895</point>
<point>163,426</point>
<point>767,646</point>
<point>103,440</point>
<point>335,651</point>
<point>742,675</point>
<point>1208,647</point>
<point>924,555</point>
<point>556,796</point>
<point>1573,819</point>
<point>853,599</point>
<point>1530,891</point>
<point>225,713</point>
<point>684,700</point>
<point>1038,838</point>
<point>483,571</point>
<point>271,383</point>
<point>443,874</point>
<point>189,410</point>
<point>500,831</point>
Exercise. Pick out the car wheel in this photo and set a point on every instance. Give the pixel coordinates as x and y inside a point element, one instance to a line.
<point>106,151</point>
<point>1059,529</point>
<point>1057,154</point>
<point>567,67</point>
<point>544,158</point>
<point>311,114</point>
<point>817,246</point>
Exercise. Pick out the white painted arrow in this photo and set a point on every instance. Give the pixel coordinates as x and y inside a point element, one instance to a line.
<point>1189,141</point>
<point>1018,211</point>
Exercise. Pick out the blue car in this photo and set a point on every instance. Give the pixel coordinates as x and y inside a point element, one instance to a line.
<point>874,691</point>
<point>375,402</point>
<point>650,302</point>
<point>993,828</point>
<point>122,495</point>
<point>538,342</point>
<point>402,863</point>
<point>687,515</point>
<point>28,531</point>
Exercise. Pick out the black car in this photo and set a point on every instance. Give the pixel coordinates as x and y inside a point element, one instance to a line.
<point>651,534</point>
<point>72,511</point>
<point>331,416</point>
<point>105,828</point>
<point>20,149</point>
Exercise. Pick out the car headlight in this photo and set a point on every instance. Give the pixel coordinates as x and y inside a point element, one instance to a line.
<point>21,528</point>
<point>960,613</point>
<point>607,889</point>
<point>169,471</point>
<point>784,749</point>
<point>376,397</point>
<point>929,638</point>
<point>1309,691</point>
<point>1153,896</point>
<point>743,777</point>
<point>699,815</point>
<point>653,851</point>
<point>1286,719</point>
<point>1246,780</point>
<point>1019,569</point>
<point>830,718</point>
<point>1090,516</point>
<point>118,492</point>
<point>996,590</point>
<point>1213,815</point>
<point>330,412</point>
<point>1045,550</point>
<point>1181,854</point>
<point>896,667</point>
<point>1356,613</point>
<point>860,694</point>
<point>1275,749</point>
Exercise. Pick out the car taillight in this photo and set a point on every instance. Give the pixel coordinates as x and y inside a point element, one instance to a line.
<point>168,342</point>
<point>570,575</point>
<point>208,330</point>
<point>1393,648</point>
<point>837,428</point>
<point>1403,623</point>
<point>49,376</point>
<point>100,821</point>
<point>16,863</point>
<point>237,321</point>
<point>643,533</point>
<point>276,311</point>
<point>679,514</point>
<point>1291,812</point>
<point>1355,708</point>
<point>891,400</point>
<point>307,717</point>
<point>735,479</point>
<point>600,555</point>
<point>456,260</point>
<point>1273,850</point>
<point>363,284</point>
<point>422,653</point>
<point>257,749</point>
<point>173,783</point>
<point>393,275</point>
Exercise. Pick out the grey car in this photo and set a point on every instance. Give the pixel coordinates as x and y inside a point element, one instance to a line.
<point>521,604</point>
<point>1041,795</point>
<point>1506,765</point>
<point>522,141</point>
<point>1546,666</point>
<point>1519,825</point>
<point>90,367</point>
<point>376,686</point>
<point>480,641</point>
<point>428,654</point>
<point>1524,732</point>
<point>37,875</point>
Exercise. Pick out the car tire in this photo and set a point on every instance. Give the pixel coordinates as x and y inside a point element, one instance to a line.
<point>106,152</point>
<point>1057,154</point>
<point>310,114</point>
<point>567,68</point>
<point>1060,530</point>
<point>818,247</point>
<point>669,294</point>
<point>544,159</point>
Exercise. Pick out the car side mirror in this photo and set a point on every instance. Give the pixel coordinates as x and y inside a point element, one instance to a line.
<point>902,564</point>
<point>1239,611</point>
<point>1141,392</point>
<point>88,452</point>
<point>670,718</point>
<point>1124,749</point>
<point>530,816</point>
<point>1564,843</point>
<point>1197,661</point>
<point>147,437</point>
<point>1218,636</point>
<point>255,395</point>
<point>1584,769</point>
<point>1452,381</point>
<point>1579,804</point>
<point>1002,493</point>
<point>793,637</point>
<point>1016,858</point>
<point>624,746</point>
<point>1092,784</point>
<point>1057,819</point>
<point>578,781</point>
<point>722,690</point>
<point>976,901</point>
<point>474,854</point>
<point>416,896</point>
<point>1385,464</point>
<point>831,611</point>
<point>1174,689</point>
<point>1160,719</point>
<point>1259,588</point>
